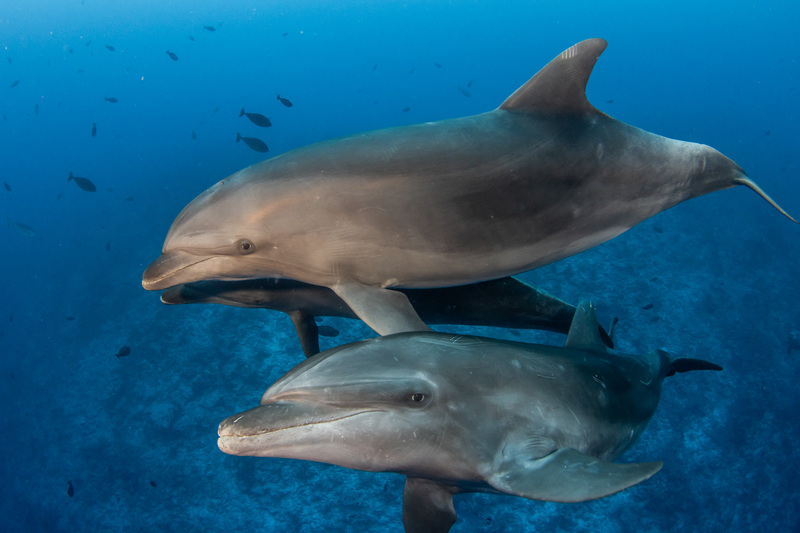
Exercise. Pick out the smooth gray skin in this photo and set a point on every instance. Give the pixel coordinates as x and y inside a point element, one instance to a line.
<point>505,303</point>
<point>439,204</point>
<point>466,414</point>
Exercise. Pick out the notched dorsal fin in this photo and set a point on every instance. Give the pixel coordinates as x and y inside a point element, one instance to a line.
<point>585,332</point>
<point>560,87</point>
<point>427,506</point>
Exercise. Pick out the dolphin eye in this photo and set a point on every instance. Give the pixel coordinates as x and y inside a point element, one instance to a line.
<point>417,397</point>
<point>245,246</point>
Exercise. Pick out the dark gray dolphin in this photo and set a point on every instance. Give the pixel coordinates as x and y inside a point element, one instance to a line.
<point>466,414</point>
<point>505,303</point>
<point>543,177</point>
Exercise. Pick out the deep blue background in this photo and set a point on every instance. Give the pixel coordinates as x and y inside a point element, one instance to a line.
<point>721,271</point>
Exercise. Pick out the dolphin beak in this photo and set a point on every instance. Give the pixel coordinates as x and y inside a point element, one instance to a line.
<point>166,271</point>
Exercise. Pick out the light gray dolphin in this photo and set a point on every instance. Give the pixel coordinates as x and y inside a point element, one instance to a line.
<point>439,204</point>
<point>466,414</point>
<point>504,303</point>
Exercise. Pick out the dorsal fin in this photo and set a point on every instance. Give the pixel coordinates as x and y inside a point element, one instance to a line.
<point>560,87</point>
<point>584,333</point>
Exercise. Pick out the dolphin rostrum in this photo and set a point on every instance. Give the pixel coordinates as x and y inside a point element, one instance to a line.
<point>466,414</point>
<point>505,303</point>
<point>439,204</point>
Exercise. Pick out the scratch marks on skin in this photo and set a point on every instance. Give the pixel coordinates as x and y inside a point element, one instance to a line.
<point>578,420</point>
<point>599,380</point>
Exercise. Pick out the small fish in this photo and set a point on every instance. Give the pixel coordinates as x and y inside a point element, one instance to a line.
<point>83,183</point>
<point>406,109</point>
<point>152,483</point>
<point>285,101</point>
<point>648,307</point>
<point>59,195</point>
<point>7,186</point>
<point>108,245</point>
<point>36,109</point>
<point>123,352</point>
<point>375,66</point>
<point>70,489</point>
<point>111,99</point>
<point>14,83</point>
<point>609,101</point>
<point>94,129</point>
<point>438,65</point>
<point>255,144</point>
<point>256,118</point>
<point>70,318</point>
<point>767,132</point>
<point>469,84</point>
<point>194,136</point>
<point>172,55</point>
<point>328,331</point>
<point>464,91</point>
<point>24,229</point>
<point>191,38</point>
<point>285,34</point>
<point>210,28</point>
<point>413,70</point>
<point>110,48</point>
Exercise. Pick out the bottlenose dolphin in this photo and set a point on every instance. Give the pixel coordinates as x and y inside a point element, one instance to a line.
<point>439,204</point>
<point>505,303</point>
<point>466,414</point>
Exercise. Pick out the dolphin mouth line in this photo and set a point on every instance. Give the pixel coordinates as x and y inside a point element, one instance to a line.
<point>267,431</point>
<point>152,282</point>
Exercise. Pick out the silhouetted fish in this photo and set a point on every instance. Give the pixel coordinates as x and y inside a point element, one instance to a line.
<point>111,48</point>
<point>83,183</point>
<point>256,118</point>
<point>469,83</point>
<point>172,56</point>
<point>14,83</point>
<point>94,130</point>
<point>152,483</point>
<point>406,109</point>
<point>191,38</point>
<point>123,352</point>
<point>285,34</point>
<point>70,489</point>
<point>648,307</point>
<point>256,144</point>
<point>111,99</point>
<point>438,65</point>
<point>24,229</point>
<point>70,318</point>
<point>464,91</point>
<point>285,101</point>
<point>609,101</point>
<point>375,66</point>
<point>328,331</point>
<point>210,28</point>
<point>7,186</point>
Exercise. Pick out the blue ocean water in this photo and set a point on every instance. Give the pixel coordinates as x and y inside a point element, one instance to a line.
<point>135,437</point>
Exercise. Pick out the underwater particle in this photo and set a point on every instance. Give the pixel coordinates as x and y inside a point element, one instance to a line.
<point>125,351</point>
<point>406,109</point>
<point>464,91</point>
<point>152,483</point>
<point>794,342</point>
<point>210,28</point>
<point>94,129</point>
<point>7,186</point>
<point>256,118</point>
<point>111,99</point>
<point>14,83</point>
<point>255,144</point>
<point>172,55</point>
<point>83,183</point>
<point>285,101</point>
<point>648,307</point>
<point>70,489</point>
<point>110,48</point>
<point>469,83</point>
<point>328,331</point>
<point>24,229</point>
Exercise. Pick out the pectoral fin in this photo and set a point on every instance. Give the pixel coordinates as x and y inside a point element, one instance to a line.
<point>427,507</point>
<point>307,332</point>
<point>386,311</point>
<point>567,475</point>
